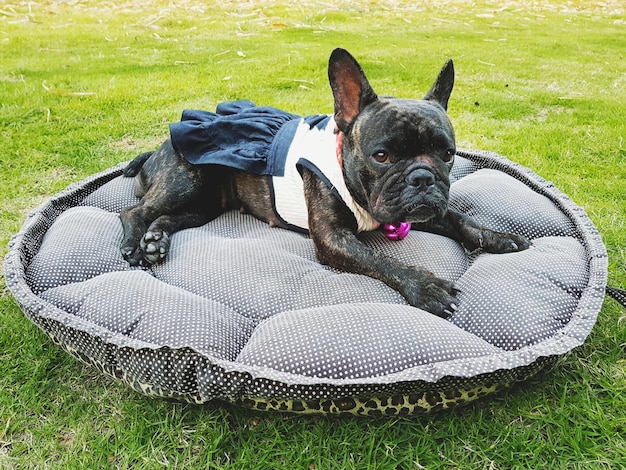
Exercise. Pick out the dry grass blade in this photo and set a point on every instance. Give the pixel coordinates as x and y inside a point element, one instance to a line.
<point>66,93</point>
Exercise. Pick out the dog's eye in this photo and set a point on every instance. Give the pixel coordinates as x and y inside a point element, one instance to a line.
<point>449,155</point>
<point>381,157</point>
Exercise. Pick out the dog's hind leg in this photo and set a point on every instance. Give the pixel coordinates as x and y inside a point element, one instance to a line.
<point>147,230</point>
<point>155,243</point>
<point>174,196</point>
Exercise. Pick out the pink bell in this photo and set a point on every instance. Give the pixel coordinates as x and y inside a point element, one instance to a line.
<point>396,231</point>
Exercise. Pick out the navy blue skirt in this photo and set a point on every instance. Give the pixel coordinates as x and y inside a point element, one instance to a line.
<point>238,135</point>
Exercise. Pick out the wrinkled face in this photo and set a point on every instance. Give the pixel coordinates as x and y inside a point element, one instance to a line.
<point>397,159</point>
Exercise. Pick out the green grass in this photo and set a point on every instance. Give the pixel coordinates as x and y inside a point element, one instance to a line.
<point>85,85</point>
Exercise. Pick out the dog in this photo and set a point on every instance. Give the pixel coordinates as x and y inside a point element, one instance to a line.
<point>376,160</point>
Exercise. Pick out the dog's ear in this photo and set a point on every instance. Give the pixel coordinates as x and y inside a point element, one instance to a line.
<point>351,90</point>
<point>441,90</point>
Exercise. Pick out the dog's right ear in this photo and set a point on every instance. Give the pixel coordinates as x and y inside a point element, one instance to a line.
<point>351,90</point>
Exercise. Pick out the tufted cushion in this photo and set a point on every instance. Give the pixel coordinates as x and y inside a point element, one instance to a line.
<point>243,312</point>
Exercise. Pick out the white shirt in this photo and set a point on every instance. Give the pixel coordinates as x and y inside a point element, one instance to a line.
<point>315,149</point>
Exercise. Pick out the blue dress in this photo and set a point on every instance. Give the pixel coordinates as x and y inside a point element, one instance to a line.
<point>239,135</point>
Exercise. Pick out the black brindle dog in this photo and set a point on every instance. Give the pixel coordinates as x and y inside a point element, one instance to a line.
<point>396,159</point>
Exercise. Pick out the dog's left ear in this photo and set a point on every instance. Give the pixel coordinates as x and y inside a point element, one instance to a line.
<point>441,90</point>
<point>351,90</point>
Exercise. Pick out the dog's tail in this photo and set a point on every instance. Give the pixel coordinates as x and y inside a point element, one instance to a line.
<point>134,167</point>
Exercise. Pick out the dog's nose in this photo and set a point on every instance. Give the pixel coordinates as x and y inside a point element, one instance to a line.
<point>420,178</point>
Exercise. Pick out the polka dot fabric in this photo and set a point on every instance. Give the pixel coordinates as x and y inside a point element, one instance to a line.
<point>243,312</point>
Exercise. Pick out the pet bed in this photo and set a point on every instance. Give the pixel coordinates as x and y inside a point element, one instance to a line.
<point>244,313</point>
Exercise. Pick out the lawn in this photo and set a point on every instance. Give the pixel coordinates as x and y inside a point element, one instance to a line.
<point>85,85</point>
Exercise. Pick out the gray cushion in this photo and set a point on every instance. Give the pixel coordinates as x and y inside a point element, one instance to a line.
<point>243,310</point>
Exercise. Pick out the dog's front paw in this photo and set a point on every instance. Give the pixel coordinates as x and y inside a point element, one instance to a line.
<point>433,294</point>
<point>500,242</point>
<point>507,243</point>
<point>155,244</point>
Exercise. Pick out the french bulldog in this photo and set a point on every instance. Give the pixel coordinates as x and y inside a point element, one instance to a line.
<point>392,158</point>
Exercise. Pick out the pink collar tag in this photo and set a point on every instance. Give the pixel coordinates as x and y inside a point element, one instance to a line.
<point>397,231</point>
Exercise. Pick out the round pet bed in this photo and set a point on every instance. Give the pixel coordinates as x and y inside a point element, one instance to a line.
<point>244,313</point>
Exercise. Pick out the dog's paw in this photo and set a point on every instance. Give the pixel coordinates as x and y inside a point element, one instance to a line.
<point>132,254</point>
<point>499,242</point>
<point>155,244</point>
<point>433,294</point>
<point>153,247</point>
<point>439,298</point>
